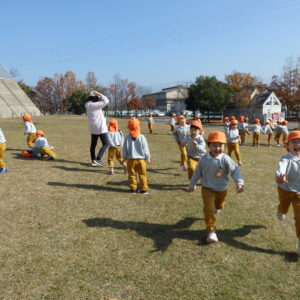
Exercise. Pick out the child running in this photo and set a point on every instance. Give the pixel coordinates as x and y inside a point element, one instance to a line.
<point>180,134</point>
<point>195,147</point>
<point>115,141</point>
<point>213,171</point>
<point>137,155</point>
<point>43,147</point>
<point>256,133</point>
<point>226,123</point>
<point>288,180</point>
<point>172,123</point>
<point>269,131</point>
<point>284,131</point>
<point>277,131</point>
<point>30,130</point>
<point>3,168</point>
<point>150,122</point>
<point>233,139</point>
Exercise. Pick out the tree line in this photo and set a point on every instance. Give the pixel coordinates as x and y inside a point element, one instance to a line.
<point>65,93</point>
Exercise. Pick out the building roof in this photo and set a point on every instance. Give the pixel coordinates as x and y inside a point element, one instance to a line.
<point>260,99</point>
<point>4,73</point>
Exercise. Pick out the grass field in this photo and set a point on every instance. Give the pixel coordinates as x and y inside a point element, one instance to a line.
<point>70,231</point>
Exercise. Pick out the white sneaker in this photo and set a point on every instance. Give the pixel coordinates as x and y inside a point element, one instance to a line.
<point>298,251</point>
<point>240,163</point>
<point>184,168</point>
<point>217,211</point>
<point>97,163</point>
<point>212,237</point>
<point>281,216</point>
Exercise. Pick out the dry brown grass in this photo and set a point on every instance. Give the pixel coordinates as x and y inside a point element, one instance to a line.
<point>70,231</point>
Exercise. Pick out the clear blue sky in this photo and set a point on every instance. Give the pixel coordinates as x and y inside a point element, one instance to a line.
<point>154,43</point>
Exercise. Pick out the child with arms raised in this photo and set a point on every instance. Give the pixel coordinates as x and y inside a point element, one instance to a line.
<point>213,170</point>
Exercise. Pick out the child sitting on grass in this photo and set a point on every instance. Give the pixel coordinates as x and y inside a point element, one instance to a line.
<point>30,130</point>
<point>288,180</point>
<point>180,134</point>
<point>213,171</point>
<point>115,141</point>
<point>195,144</point>
<point>137,155</point>
<point>3,168</point>
<point>43,147</point>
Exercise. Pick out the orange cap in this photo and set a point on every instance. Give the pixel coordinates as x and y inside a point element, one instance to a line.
<point>40,133</point>
<point>113,125</point>
<point>241,118</point>
<point>267,122</point>
<point>294,135</point>
<point>225,119</point>
<point>27,117</point>
<point>150,114</point>
<point>217,137</point>
<point>134,127</point>
<point>257,121</point>
<point>284,122</point>
<point>233,122</point>
<point>197,124</point>
<point>173,115</point>
<point>232,118</point>
<point>25,153</point>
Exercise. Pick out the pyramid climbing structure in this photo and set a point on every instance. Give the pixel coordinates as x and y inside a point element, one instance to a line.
<point>13,101</point>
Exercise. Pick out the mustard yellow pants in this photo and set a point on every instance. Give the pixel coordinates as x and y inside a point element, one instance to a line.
<point>183,154</point>
<point>236,148</point>
<point>212,200</point>
<point>112,152</point>
<point>150,126</point>
<point>47,151</point>
<point>256,137</point>
<point>287,198</point>
<point>269,138</point>
<point>30,139</point>
<point>277,138</point>
<point>2,150</point>
<point>137,167</point>
<point>284,139</point>
<point>192,164</point>
<point>242,134</point>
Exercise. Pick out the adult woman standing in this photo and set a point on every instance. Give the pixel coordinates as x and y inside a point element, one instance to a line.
<point>97,123</point>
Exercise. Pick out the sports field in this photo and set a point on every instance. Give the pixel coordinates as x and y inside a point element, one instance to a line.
<point>71,231</point>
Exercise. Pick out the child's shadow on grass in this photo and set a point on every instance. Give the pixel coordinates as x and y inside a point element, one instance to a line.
<point>94,170</point>
<point>154,186</point>
<point>88,187</point>
<point>164,234</point>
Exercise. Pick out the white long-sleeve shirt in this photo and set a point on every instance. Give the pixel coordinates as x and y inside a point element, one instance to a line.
<point>173,121</point>
<point>268,129</point>
<point>115,139</point>
<point>242,126</point>
<point>29,128</point>
<point>41,142</point>
<point>135,148</point>
<point>2,137</point>
<point>290,166</point>
<point>193,150</point>
<point>97,121</point>
<point>257,128</point>
<point>207,168</point>
<point>284,129</point>
<point>150,120</point>
<point>180,133</point>
<point>232,136</point>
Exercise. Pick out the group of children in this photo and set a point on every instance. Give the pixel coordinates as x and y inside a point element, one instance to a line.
<point>212,169</point>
